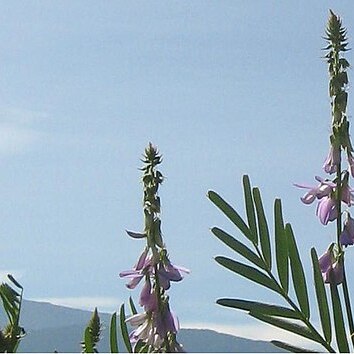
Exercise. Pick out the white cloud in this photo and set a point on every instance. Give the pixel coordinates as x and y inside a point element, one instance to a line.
<point>16,130</point>
<point>257,331</point>
<point>21,116</point>
<point>15,139</point>
<point>103,304</point>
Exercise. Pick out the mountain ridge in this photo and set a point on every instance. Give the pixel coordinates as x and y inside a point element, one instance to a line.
<point>52,327</point>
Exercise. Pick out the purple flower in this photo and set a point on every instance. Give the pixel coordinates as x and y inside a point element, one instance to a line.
<point>169,272</point>
<point>351,163</point>
<point>144,325</point>
<point>166,322</point>
<point>327,205</point>
<point>327,210</point>
<point>142,267</point>
<point>332,160</point>
<point>347,196</point>
<point>325,188</point>
<point>148,298</point>
<point>347,236</point>
<point>331,269</point>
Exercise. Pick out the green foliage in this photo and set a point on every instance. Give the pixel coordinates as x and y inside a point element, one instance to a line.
<point>321,297</point>
<point>11,335</point>
<point>295,318</point>
<point>124,329</point>
<point>297,272</point>
<point>132,306</point>
<point>113,334</point>
<point>92,334</point>
<point>291,348</point>
<point>341,336</point>
<point>280,238</point>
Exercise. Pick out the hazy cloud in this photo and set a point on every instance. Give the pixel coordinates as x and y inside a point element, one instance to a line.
<point>257,331</point>
<point>105,304</point>
<point>17,130</point>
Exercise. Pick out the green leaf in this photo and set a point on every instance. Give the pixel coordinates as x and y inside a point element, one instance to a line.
<point>253,306</point>
<point>291,348</point>
<point>87,343</point>
<point>124,329</point>
<point>322,302</point>
<point>231,213</point>
<point>14,281</point>
<point>9,292</point>
<point>281,246</point>
<point>141,347</point>
<point>10,302</point>
<point>341,337</point>
<point>92,333</point>
<point>287,325</point>
<point>251,216</point>
<point>113,334</point>
<point>132,306</point>
<point>297,272</point>
<point>239,247</point>
<point>247,272</point>
<point>262,228</point>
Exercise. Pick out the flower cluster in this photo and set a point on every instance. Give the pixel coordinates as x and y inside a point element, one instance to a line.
<point>332,194</point>
<point>156,327</point>
<point>326,194</point>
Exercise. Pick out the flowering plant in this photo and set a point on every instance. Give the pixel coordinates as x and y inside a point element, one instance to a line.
<point>328,270</point>
<point>156,326</point>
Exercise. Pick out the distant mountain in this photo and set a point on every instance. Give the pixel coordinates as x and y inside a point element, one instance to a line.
<point>51,327</point>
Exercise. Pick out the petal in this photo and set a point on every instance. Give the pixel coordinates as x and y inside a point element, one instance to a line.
<point>304,186</point>
<point>142,259</point>
<point>325,261</point>
<point>337,273</point>
<point>134,282</point>
<point>173,273</point>
<point>137,320</point>
<point>326,210</point>
<point>347,196</point>
<point>350,226</point>
<point>129,274</point>
<point>145,293</point>
<point>308,198</point>
<point>183,269</point>
<point>351,164</point>
<point>163,279</point>
<point>345,239</point>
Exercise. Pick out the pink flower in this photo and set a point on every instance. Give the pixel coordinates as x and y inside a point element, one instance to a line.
<point>331,268</point>
<point>327,210</point>
<point>142,267</point>
<point>347,236</point>
<point>168,272</point>
<point>332,160</point>
<point>166,322</point>
<point>148,298</point>
<point>325,188</point>
<point>325,192</point>
<point>351,163</point>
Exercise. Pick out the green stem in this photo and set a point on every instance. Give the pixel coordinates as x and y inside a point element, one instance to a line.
<point>339,231</point>
<point>339,202</point>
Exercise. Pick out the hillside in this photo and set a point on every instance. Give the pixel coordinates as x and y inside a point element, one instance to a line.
<point>51,327</point>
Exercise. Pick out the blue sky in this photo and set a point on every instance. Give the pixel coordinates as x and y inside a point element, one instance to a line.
<point>222,88</point>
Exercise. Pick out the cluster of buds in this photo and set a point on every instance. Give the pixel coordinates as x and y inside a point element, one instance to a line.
<point>156,327</point>
<point>331,194</point>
